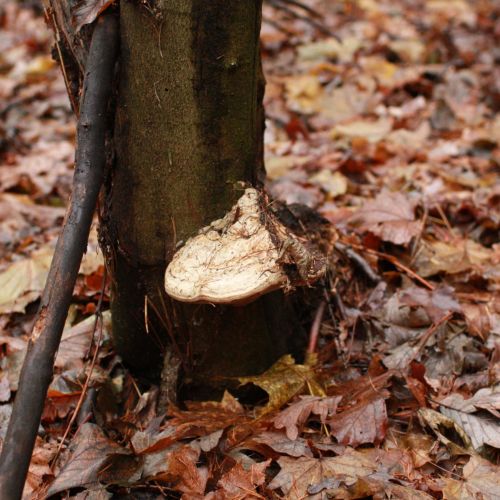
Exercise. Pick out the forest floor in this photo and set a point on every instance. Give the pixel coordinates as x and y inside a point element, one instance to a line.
<point>382,115</point>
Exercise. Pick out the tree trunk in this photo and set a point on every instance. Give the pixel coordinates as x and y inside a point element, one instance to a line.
<point>189,127</point>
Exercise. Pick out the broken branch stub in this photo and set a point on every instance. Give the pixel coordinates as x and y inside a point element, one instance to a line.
<point>244,255</point>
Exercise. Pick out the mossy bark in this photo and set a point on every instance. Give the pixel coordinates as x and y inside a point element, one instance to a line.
<point>189,128</point>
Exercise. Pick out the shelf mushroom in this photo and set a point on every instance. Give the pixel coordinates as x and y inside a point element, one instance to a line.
<point>239,258</point>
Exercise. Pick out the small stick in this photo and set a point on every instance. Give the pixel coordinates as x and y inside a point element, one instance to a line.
<point>360,262</point>
<point>90,162</point>
<point>427,335</point>
<point>395,261</point>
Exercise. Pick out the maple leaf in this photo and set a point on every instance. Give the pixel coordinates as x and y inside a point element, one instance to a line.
<point>455,257</point>
<point>283,381</point>
<point>278,442</point>
<point>205,418</point>
<point>390,216</point>
<point>366,422</point>
<point>91,450</point>
<point>240,482</point>
<point>297,475</point>
<point>297,413</point>
<point>481,480</point>
<point>191,480</point>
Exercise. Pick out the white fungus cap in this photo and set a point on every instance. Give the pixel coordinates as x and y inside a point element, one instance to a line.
<point>234,260</point>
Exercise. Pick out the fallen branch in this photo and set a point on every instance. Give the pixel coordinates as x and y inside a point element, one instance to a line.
<point>37,370</point>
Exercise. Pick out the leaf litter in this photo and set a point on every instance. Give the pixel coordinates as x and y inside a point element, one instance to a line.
<point>390,130</point>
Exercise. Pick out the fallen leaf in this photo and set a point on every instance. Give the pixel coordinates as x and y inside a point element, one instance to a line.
<point>23,281</point>
<point>481,429</point>
<point>481,480</point>
<point>280,443</point>
<point>390,216</point>
<point>437,303</point>
<point>334,183</point>
<point>283,381</point>
<point>372,131</point>
<point>76,341</point>
<point>487,398</point>
<point>452,258</point>
<point>239,482</point>
<point>297,475</point>
<point>366,422</point>
<point>297,413</point>
<point>204,418</point>
<point>440,424</point>
<point>90,450</point>
<point>189,478</point>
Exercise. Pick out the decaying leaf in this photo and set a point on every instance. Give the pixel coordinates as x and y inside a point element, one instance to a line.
<point>23,281</point>
<point>390,216</point>
<point>366,422</point>
<point>451,258</point>
<point>91,450</point>
<point>296,415</point>
<point>283,381</point>
<point>440,424</point>
<point>298,475</point>
<point>482,429</point>
<point>280,443</point>
<point>240,482</point>
<point>481,480</point>
<point>204,418</point>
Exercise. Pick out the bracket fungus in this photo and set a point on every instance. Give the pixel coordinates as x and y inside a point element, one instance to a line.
<point>246,254</point>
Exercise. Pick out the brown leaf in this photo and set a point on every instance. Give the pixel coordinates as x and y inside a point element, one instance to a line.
<point>297,475</point>
<point>200,419</point>
<point>87,11</point>
<point>297,413</point>
<point>482,480</point>
<point>440,424</point>
<point>239,482</point>
<point>366,422</point>
<point>91,450</point>
<point>279,443</point>
<point>456,257</point>
<point>480,429</point>
<point>76,340</point>
<point>191,480</point>
<point>390,216</point>
<point>437,303</point>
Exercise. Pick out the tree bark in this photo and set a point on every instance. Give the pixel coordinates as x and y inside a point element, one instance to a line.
<point>189,132</point>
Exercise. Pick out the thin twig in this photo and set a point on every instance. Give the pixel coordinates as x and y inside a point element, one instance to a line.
<point>90,161</point>
<point>395,261</point>
<point>98,319</point>
<point>428,333</point>
<point>314,334</point>
<point>359,261</point>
